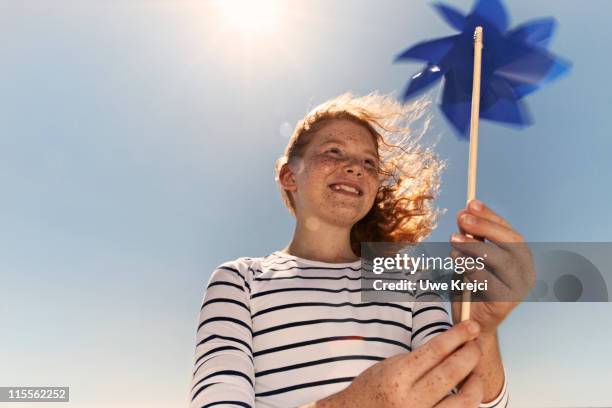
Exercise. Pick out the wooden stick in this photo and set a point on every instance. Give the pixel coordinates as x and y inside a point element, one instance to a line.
<point>473,159</point>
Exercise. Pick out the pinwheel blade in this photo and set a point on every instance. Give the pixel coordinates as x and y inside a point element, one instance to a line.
<point>458,115</point>
<point>536,32</point>
<point>515,63</point>
<point>499,103</point>
<point>456,105</point>
<point>559,68</point>
<point>508,111</point>
<point>452,16</point>
<point>528,66</point>
<point>422,80</point>
<point>430,51</point>
<point>492,11</point>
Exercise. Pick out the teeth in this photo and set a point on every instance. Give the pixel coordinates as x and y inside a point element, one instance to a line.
<point>346,188</point>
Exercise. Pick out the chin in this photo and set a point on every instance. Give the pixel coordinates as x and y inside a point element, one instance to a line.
<point>344,216</point>
<point>342,211</point>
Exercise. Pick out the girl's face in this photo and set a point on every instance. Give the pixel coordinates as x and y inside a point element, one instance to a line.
<point>337,179</point>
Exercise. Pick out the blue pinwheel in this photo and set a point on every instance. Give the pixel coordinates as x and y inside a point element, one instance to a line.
<point>514,64</point>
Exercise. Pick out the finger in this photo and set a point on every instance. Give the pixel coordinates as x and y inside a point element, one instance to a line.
<point>437,349</point>
<point>494,288</point>
<point>510,263</point>
<point>463,231</point>
<point>470,395</point>
<point>491,256</point>
<point>437,383</point>
<point>478,208</point>
<point>492,231</point>
<point>491,253</point>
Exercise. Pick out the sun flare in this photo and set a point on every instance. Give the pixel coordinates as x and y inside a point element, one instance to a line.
<point>249,17</point>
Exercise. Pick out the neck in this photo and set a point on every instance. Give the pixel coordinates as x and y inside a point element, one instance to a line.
<point>319,241</point>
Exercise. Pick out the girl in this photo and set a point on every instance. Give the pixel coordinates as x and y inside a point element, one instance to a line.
<point>289,329</point>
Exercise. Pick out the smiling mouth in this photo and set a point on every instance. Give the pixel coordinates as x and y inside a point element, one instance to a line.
<point>346,189</point>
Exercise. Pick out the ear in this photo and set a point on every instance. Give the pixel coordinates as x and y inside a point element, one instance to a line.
<point>286,177</point>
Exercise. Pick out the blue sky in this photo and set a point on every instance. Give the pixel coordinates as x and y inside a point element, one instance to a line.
<point>137,142</point>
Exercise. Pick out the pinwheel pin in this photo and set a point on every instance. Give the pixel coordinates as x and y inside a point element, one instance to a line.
<point>510,65</point>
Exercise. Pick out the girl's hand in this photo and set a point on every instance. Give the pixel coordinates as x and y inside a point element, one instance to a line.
<point>423,378</point>
<point>509,268</point>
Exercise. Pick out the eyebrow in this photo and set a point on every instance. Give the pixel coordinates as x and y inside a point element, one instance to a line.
<point>343,143</point>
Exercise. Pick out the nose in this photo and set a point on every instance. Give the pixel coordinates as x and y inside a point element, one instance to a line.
<point>354,167</point>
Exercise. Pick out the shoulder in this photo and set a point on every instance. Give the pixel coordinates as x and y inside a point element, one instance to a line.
<point>240,271</point>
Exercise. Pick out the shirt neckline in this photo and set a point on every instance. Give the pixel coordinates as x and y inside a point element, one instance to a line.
<point>316,263</point>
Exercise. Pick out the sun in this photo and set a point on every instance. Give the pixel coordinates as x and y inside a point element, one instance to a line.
<point>249,18</point>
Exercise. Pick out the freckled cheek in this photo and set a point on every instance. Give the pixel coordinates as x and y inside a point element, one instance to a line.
<point>325,161</point>
<point>317,170</point>
<point>373,186</point>
<point>322,165</point>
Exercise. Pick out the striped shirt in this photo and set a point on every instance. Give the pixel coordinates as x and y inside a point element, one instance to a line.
<point>282,331</point>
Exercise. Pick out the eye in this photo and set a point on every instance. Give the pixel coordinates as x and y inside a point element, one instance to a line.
<point>369,163</point>
<point>334,151</point>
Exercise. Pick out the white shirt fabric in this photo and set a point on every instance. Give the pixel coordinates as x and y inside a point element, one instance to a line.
<point>281,331</point>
